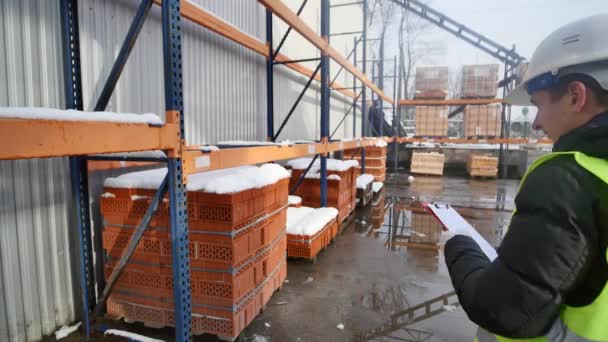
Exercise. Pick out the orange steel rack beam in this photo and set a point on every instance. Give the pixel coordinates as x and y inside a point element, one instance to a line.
<point>449,102</point>
<point>22,139</point>
<point>293,20</point>
<point>211,22</point>
<point>196,161</point>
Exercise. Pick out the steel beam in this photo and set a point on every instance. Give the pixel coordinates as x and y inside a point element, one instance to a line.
<point>274,56</point>
<point>295,105</point>
<point>314,59</point>
<point>355,43</point>
<point>504,54</point>
<point>78,166</point>
<point>396,124</point>
<point>364,110</point>
<point>354,105</point>
<point>269,79</point>
<point>178,208</point>
<point>123,55</point>
<point>342,67</point>
<point>347,4</point>
<point>131,246</point>
<point>345,33</point>
<point>325,97</point>
<point>293,190</point>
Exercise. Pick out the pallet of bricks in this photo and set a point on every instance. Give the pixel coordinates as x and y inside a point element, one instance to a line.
<point>364,189</point>
<point>341,184</point>
<point>378,211</point>
<point>431,83</point>
<point>310,230</point>
<point>430,163</point>
<point>426,230</point>
<point>375,160</point>
<point>377,190</point>
<point>237,246</point>
<point>482,165</point>
<point>480,82</point>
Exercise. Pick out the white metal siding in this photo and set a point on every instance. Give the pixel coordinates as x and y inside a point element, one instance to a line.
<point>224,99</point>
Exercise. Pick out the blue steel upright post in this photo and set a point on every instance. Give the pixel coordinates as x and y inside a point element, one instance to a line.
<point>396,124</point>
<point>269,79</point>
<point>355,88</point>
<point>172,57</point>
<point>78,165</point>
<point>364,113</point>
<point>324,98</point>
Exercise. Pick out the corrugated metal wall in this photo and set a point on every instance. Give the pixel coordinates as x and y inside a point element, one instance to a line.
<point>224,96</point>
<point>37,292</point>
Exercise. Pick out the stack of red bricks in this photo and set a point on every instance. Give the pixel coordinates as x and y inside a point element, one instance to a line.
<point>237,247</point>
<point>375,161</point>
<point>341,184</point>
<point>310,230</point>
<point>378,210</point>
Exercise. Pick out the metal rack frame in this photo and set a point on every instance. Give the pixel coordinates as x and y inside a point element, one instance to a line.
<point>81,139</point>
<point>181,159</point>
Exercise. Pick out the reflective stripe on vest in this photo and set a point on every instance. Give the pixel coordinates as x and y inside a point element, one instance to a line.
<point>582,324</point>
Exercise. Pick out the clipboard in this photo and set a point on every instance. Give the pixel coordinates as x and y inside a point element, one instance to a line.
<point>453,222</point>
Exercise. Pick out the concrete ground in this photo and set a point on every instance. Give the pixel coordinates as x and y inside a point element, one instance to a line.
<point>360,284</point>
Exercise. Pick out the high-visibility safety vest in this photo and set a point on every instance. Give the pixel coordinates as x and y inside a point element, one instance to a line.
<point>581,324</point>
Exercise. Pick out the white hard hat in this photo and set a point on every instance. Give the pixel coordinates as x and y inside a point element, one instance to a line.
<point>578,47</point>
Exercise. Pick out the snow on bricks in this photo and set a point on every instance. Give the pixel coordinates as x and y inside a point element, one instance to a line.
<point>237,219</point>
<point>310,230</point>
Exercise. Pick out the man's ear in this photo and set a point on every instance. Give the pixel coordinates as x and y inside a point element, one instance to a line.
<point>578,95</point>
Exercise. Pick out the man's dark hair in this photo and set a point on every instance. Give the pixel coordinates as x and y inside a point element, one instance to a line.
<point>559,90</point>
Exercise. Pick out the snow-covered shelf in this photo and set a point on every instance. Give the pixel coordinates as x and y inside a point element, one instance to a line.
<point>47,132</point>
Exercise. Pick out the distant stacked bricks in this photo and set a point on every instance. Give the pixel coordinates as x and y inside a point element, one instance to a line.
<point>237,256</point>
<point>427,163</point>
<point>478,82</point>
<point>482,165</point>
<point>375,160</point>
<point>341,189</point>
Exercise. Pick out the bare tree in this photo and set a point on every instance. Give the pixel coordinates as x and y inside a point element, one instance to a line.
<point>411,30</point>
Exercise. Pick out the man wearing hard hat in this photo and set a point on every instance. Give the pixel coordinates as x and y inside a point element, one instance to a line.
<point>550,279</point>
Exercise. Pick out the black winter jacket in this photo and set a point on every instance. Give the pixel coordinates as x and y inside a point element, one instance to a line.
<point>554,252</point>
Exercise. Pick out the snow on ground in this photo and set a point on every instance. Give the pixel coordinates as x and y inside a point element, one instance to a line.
<point>308,221</point>
<point>220,181</point>
<point>66,330</point>
<point>131,336</point>
<point>332,164</point>
<point>364,180</point>
<point>294,200</point>
<point>39,113</point>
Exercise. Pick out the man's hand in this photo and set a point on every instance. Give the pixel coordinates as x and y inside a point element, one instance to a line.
<point>448,234</point>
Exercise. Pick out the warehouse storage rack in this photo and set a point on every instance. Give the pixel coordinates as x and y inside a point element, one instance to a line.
<point>84,141</point>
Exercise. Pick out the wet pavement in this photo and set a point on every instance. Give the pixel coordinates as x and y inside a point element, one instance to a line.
<point>385,262</point>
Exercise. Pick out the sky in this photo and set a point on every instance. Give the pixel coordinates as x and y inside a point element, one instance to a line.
<point>524,23</point>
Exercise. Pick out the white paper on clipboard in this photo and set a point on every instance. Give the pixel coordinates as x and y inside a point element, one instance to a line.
<point>453,222</point>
